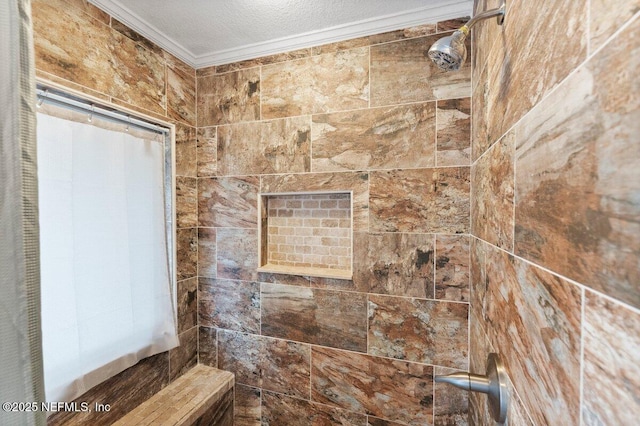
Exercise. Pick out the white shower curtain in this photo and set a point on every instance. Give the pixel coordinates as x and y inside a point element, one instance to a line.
<point>21,379</point>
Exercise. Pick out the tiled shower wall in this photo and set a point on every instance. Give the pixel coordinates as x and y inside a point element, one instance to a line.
<point>555,210</point>
<point>372,116</point>
<point>83,48</point>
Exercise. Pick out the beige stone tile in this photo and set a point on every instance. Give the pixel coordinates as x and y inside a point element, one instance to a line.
<point>378,138</point>
<point>207,151</point>
<point>605,19</point>
<point>420,200</point>
<point>401,72</point>
<point>577,179</point>
<point>611,363</point>
<point>181,93</point>
<point>454,132</point>
<point>185,151</point>
<point>323,83</point>
<point>452,268</point>
<point>229,98</point>
<point>264,60</point>
<point>275,146</point>
<point>186,202</point>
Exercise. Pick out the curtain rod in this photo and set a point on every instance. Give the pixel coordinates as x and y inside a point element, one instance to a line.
<point>64,100</point>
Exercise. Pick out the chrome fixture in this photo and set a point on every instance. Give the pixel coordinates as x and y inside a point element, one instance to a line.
<point>494,384</point>
<point>449,53</point>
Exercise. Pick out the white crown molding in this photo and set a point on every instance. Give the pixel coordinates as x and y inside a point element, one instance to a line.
<point>424,15</point>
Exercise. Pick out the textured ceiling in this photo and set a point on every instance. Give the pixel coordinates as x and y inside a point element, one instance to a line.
<point>209,32</point>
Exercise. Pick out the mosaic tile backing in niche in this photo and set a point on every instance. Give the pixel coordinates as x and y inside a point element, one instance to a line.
<point>308,234</point>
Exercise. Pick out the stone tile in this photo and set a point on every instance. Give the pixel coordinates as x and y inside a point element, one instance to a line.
<point>452,268</point>
<point>321,317</point>
<point>535,320</point>
<point>267,363</point>
<point>484,35</point>
<point>279,410</point>
<point>207,151</point>
<point>611,381</point>
<point>426,331</point>
<point>181,93</point>
<point>187,304</point>
<point>237,254</point>
<point>479,349</point>
<point>186,164</point>
<point>275,146</point>
<point>267,277</point>
<point>207,259</point>
<point>206,72</point>
<point>228,202</point>
<point>207,346</point>
<point>323,83</point>
<point>247,406</point>
<point>454,132</point>
<point>186,202</point>
<point>395,390</point>
<point>492,198</point>
<point>398,264</point>
<point>514,80</point>
<point>450,404</point>
<point>124,391</point>
<point>605,20</point>
<point>221,413</point>
<point>232,305</point>
<point>424,200</point>
<point>187,249</point>
<point>374,421</point>
<point>264,60</point>
<point>378,138</point>
<point>358,183</point>
<point>401,72</point>
<point>452,24</point>
<point>185,356</point>
<point>130,33</point>
<point>91,10</point>
<point>229,98</point>
<point>74,46</point>
<point>577,179</point>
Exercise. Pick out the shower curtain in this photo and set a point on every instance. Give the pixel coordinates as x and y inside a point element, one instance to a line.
<point>21,377</point>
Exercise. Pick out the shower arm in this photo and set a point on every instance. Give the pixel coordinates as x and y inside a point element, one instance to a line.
<point>498,12</point>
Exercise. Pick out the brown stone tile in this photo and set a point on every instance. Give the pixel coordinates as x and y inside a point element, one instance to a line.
<point>279,410</point>
<point>398,264</point>
<point>206,72</point>
<point>515,81</point>
<point>237,254</point>
<point>207,264</point>
<point>186,202</point>
<point>187,248</point>
<point>91,10</point>
<point>186,154</point>
<point>133,35</point>
<point>374,421</point>
<point>221,413</point>
<point>207,150</point>
<point>379,138</point>
<point>450,404</point>
<point>72,45</point>
<point>345,181</point>
<point>232,305</point>
<point>605,20</point>
<point>207,346</point>
<point>181,93</point>
<point>535,320</point>
<point>247,406</point>
<point>187,304</point>
<point>426,331</point>
<point>275,146</point>
<point>577,175</point>
<point>454,132</point>
<point>321,317</point>
<point>267,277</point>
<point>264,60</point>
<point>479,349</point>
<point>484,35</point>
<point>323,83</point>
<point>228,202</point>
<point>47,77</point>
<point>395,390</point>
<point>611,383</point>
<point>452,268</point>
<point>424,200</point>
<point>123,392</point>
<point>492,198</point>
<point>229,98</point>
<point>185,356</point>
<point>452,24</point>
<point>271,364</point>
<point>401,72</point>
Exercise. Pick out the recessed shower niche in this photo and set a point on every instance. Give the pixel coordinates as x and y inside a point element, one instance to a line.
<point>306,233</point>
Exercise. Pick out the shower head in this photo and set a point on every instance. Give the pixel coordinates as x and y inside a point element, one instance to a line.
<point>449,53</point>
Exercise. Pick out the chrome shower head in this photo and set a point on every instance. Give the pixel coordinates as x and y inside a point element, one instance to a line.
<point>449,53</point>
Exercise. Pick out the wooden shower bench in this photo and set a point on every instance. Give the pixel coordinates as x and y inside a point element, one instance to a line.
<point>201,396</point>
